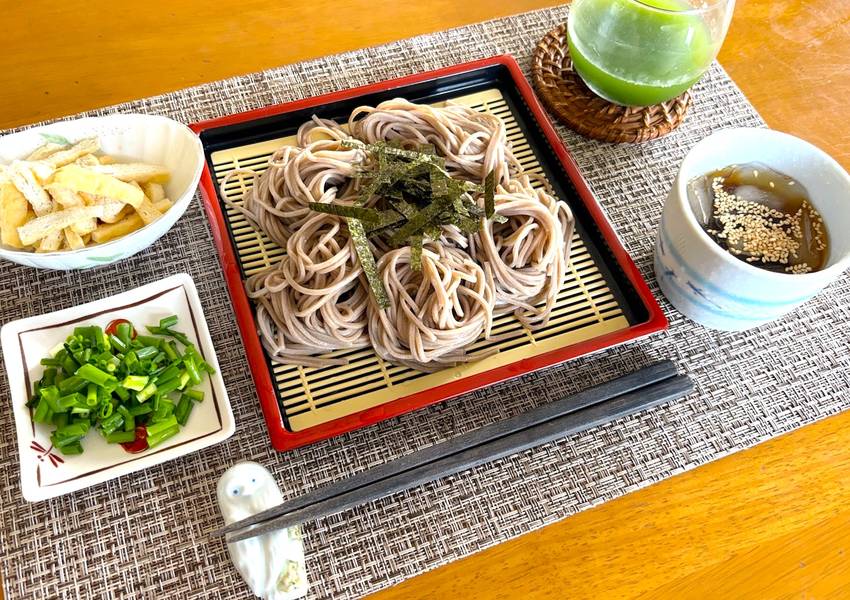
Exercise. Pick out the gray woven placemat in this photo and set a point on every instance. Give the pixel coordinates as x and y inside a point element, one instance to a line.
<point>145,535</point>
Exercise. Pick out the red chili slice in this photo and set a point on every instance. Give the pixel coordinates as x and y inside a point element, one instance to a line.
<point>140,444</point>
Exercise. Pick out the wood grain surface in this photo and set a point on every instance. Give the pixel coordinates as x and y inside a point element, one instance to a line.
<point>771,522</point>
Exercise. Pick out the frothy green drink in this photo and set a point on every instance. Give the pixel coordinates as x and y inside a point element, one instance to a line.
<point>639,53</point>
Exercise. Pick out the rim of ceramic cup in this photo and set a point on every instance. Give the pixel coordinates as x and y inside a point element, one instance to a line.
<point>812,153</point>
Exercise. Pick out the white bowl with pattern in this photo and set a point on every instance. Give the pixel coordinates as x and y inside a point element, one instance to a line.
<point>712,287</point>
<point>140,138</point>
<point>46,472</point>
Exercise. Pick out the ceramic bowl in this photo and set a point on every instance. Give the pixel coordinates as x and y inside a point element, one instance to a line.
<point>712,287</point>
<point>45,472</point>
<point>140,138</point>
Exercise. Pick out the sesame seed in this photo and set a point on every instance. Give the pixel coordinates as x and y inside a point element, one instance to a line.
<point>760,234</point>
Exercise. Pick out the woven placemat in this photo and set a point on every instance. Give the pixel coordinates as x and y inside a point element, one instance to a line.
<point>145,535</point>
<point>566,96</point>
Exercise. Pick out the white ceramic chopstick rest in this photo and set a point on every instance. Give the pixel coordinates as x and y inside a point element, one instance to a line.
<point>272,564</point>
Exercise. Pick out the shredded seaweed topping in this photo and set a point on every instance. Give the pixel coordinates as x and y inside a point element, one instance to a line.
<point>369,215</point>
<point>406,197</point>
<point>490,194</point>
<point>367,262</point>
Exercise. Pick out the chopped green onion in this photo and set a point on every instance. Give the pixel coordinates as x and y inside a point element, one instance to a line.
<point>117,344</point>
<point>140,410</point>
<point>75,448</point>
<point>129,420</point>
<point>91,396</point>
<point>196,395</point>
<point>163,425</point>
<point>112,423</point>
<point>42,412</point>
<point>146,352</point>
<point>75,400</point>
<point>163,411</point>
<point>170,349</point>
<point>51,396</point>
<point>69,365</point>
<point>135,382</point>
<point>54,138</point>
<point>149,340</point>
<point>168,322</point>
<point>130,361</point>
<point>105,410</point>
<point>121,437</point>
<point>146,392</point>
<point>100,378</point>
<point>155,440</point>
<point>180,337</point>
<point>168,374</point>
<point>184,380</point>
<point>111,381</point>
<point>60,419</point>
<point>184,408</point>
<point>168,386</point>
<point>192,369</point>
<point>49,377</point>
<point>124,331</point>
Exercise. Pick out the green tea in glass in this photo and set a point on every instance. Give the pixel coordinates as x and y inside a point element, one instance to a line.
<point>642,52</point>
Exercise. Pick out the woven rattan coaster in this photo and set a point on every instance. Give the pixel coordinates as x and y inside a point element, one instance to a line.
<point>568,97</point>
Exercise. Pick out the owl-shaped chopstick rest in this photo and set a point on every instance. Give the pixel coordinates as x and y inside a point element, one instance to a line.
<point>271,564</point>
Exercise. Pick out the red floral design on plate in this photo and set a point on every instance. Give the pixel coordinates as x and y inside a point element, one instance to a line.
<point>46,452</point>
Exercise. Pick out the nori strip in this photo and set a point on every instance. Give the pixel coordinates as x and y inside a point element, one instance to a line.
<point>367,263</point>
<point>419,197</point>
<point>490,194</point>
<point>369,215</point>
<point>416,253</point>
<point>389,218</point>
<point>419,221</point>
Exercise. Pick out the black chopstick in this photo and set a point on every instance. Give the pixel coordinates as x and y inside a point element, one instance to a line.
<point>599,393</point>
<point>430,463</point>
<point>548,431</point>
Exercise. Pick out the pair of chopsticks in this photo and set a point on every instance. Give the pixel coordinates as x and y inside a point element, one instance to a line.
<point>627,395</point>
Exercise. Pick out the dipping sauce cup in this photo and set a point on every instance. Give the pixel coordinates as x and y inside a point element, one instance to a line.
<point>712,287</point>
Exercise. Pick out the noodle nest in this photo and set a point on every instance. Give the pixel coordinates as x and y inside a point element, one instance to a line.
<point>435,312</point>
<point>317,300</point>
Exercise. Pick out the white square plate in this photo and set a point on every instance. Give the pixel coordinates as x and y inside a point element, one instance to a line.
<point>45,472</point>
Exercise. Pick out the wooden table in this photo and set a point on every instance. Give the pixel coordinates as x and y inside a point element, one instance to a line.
<point>772,521</point>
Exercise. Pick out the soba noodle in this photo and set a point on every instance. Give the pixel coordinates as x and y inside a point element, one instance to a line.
<point>435,313</point>
<point>316,299</point>
<point>312,301</point>
<point>473,143</point>
<point>528,253</point>
<point>318,172</point>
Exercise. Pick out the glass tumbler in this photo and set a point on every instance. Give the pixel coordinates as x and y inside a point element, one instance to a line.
<point>642,52</point>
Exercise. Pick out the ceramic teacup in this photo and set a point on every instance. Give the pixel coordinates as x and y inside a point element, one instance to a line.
<point>712,287</point>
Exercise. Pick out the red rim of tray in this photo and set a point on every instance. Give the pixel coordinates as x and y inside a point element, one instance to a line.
<point>281,437</point>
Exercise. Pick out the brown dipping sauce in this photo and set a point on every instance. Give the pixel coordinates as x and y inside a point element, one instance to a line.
<point>762,217</point>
